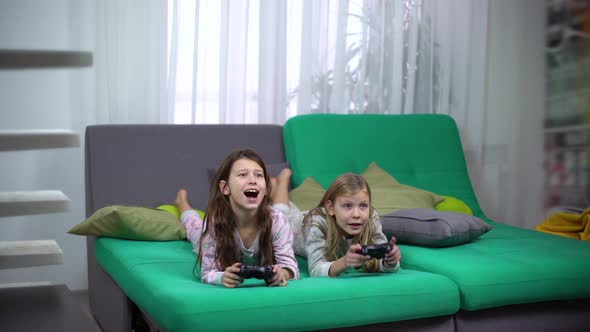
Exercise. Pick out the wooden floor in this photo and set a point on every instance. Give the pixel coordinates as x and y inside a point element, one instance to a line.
<point>45,308</point>
<point>82,296</point>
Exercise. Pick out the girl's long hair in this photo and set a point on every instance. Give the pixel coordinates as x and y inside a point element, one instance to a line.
<point>344,185</point>
<point>221,221</point>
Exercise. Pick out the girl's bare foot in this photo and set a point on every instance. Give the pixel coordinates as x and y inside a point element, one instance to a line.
<point>181,201</point>
<point>280,187</point>
<point>284,176</point>
<point>273,182</point>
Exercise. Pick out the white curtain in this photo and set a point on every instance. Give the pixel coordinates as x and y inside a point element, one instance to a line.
<point>404,57</point>
<point>130,61</point>
<point>264,61</point>
<point>228,60</point>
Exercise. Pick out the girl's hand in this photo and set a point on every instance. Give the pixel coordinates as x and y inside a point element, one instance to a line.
<point>230,277</point>
<point>279,278</point>
<point>352,258</point>
<point>391,258</point>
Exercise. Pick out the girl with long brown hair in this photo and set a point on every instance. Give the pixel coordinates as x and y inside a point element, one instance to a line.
<point>241,227</point>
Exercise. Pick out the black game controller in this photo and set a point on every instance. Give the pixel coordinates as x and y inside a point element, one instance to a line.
<point>375,251</point>
<point>256,271</point>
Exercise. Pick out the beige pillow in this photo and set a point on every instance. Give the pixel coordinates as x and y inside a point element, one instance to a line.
<point>307,195</point>
<point>389,195</point>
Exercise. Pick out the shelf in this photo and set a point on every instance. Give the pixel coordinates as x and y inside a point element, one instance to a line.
<point>43,309</point>
<point>37,306</point>
<point>11,140</point>
<point>17,254</point>
<point>25,284</point>
<point>23,59</point>
<point>20,203</point>
<point>567,128</point>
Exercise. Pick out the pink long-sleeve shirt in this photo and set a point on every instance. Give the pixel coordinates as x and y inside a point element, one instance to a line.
<point>282,242</point>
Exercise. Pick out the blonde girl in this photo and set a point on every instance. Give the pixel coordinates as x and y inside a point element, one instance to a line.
<point>334,231</point>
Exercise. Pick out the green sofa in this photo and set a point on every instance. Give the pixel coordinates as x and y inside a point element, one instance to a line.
<point>495,282</point>
<point>505,267</point>
<point>136,285</point>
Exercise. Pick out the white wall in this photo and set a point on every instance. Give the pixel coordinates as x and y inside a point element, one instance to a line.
<point>52,99</point>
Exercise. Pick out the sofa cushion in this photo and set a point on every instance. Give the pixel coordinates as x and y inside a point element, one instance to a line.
<point>427,227</point>
<point>307,195</point>
<point>158,277</point>
<point>509,265</point>
<point>388,195</point>
<point>453,204</point>
<point>174,210</point>
<point>133,223</point>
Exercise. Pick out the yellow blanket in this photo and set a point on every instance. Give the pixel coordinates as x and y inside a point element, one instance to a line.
<point>572,225</point>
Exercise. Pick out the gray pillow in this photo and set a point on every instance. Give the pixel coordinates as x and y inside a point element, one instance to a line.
<point>431,228</point>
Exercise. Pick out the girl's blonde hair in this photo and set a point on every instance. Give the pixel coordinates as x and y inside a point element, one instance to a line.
<point>347,184</point>
<point>222,221</point>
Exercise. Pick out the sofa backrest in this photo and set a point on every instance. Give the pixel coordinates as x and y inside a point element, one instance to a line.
<point>146,165</point>
<point>421,150</point>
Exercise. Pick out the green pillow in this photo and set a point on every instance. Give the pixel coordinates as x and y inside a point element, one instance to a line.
<point>307,195</point>
<point>174,210</point>
<point>389,195</point>
<point>132,223</point>
<point>453,204</point>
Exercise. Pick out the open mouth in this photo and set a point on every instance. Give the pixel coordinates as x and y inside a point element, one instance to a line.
<point>355,225</point>
<point>251,193</point>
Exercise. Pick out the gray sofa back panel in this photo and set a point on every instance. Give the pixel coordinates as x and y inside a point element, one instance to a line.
<point>146,165</point>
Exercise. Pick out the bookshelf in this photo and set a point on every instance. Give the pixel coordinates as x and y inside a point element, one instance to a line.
<point>567,131</point>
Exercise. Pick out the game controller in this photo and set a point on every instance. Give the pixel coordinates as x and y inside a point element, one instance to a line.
<point>256,271</point>
<point>375,251</point>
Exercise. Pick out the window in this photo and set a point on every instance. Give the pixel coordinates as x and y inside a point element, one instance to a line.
<point>222,39</point>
